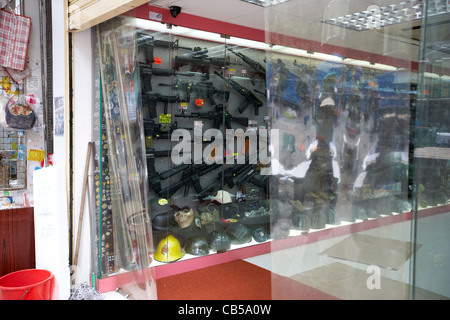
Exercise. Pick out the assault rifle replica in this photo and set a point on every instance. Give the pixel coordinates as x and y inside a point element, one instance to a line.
<point>255,65</point>
<point>250,98</point>
<point>250,176</point>
<point>201,89</point>
<point>150,100</point>
<point>160,130</point>
<point>153,175</point>
<point>147,72</point>
<point>227,177</point>
<point>202,63</point>
<point>148,43</point>
<point>219,116</point>
<point>190,177</point>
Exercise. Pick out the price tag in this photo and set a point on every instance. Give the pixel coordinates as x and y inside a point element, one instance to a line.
<point>184,106</point>
<point>165,118</point>
<point>199,102</point>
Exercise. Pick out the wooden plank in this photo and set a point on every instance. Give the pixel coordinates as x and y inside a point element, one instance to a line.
<point>83,14</point>
<point>432,153</point>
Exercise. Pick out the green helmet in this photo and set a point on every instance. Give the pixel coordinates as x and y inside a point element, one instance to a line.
<point>219,241</point>
<point>238,233</point>
<point>197,246</point>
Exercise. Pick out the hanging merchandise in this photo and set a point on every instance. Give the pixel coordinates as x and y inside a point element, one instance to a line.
<point>18,113</point>
<point>14,36</point>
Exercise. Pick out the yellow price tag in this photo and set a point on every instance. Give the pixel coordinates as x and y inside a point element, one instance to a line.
<point>36,155</point>
<point>165,118</point>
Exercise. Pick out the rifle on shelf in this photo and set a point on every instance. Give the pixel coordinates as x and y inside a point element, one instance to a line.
<point>219,116</point>
<point>154,176</point>
<point>147,72</point>
<point>201,89</point>
<point>148,43</point>
<point>152,100</point>
<point>227,177</point>
<point>255,65</point>
<point>202,64</point>
<point>151,152</point>
<point>261,183</point>
<point>250,98</point>
<point>190,177</point>
<point>249,175</point>
<point>160,130</point>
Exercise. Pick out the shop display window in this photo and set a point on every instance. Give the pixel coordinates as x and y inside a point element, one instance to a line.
<point>205,146</point>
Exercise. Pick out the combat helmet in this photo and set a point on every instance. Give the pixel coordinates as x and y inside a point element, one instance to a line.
<point>197,246</point>
<point>238,233</point>
<point>219,241</point>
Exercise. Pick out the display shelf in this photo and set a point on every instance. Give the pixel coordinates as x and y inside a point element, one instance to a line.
<point>190,263</point>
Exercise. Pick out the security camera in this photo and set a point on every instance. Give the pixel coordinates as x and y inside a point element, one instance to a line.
<point>175,11</point>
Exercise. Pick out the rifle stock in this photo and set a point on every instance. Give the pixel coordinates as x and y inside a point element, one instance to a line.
<point>250,98</point>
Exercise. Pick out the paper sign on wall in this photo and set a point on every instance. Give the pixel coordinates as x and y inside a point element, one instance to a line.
<point>36,155</point>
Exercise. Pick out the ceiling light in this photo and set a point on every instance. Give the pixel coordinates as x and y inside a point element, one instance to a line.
<point>210,36</point>
<point>265,3</point>
<point>377,17</point>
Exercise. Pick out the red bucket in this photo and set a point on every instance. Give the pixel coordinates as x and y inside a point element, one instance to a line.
<point>29,284</point>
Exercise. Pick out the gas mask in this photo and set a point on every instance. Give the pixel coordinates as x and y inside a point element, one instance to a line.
<point>184,217</point>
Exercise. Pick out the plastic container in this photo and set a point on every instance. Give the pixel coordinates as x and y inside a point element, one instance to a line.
<point>29,284</point>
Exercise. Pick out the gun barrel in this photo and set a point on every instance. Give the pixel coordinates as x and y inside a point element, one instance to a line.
<point>168,44</point>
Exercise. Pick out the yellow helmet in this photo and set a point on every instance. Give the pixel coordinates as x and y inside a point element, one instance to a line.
<point>169,250</point>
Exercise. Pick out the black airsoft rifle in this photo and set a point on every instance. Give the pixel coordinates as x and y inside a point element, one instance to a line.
<point>190,177</point>
<point>155,178</point>
<point>249,175</point>
<point>148,71</point>
<point>148,43</point>
<point>153,175</point>
<point>202,64</point>
<point>250,98</point>
<point>261,183</point>
<point>219,116</point>
<point>255,65</point>
<point>226,177</point>
<point>150,100</point>
<point>204,89</point>
<point>160,130</point>
<point>164,130</point>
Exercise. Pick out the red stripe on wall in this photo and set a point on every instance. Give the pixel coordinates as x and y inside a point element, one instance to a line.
<point>220,27</point>
<point>201,23</point>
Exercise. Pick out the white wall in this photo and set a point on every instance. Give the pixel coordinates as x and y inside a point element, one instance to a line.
<point>82,126</point>
<point>82,116</point>
<point>59,144</point>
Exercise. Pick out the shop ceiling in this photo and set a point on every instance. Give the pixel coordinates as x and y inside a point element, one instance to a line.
<point>303,19</point>
<point>295,19</point>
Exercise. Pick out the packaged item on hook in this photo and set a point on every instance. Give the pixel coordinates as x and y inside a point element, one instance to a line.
<point>18,113</point>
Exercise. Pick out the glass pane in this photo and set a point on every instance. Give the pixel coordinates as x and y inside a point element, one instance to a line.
<point>123,162</point>
<point>431,161</point>
<point>340,99</point>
